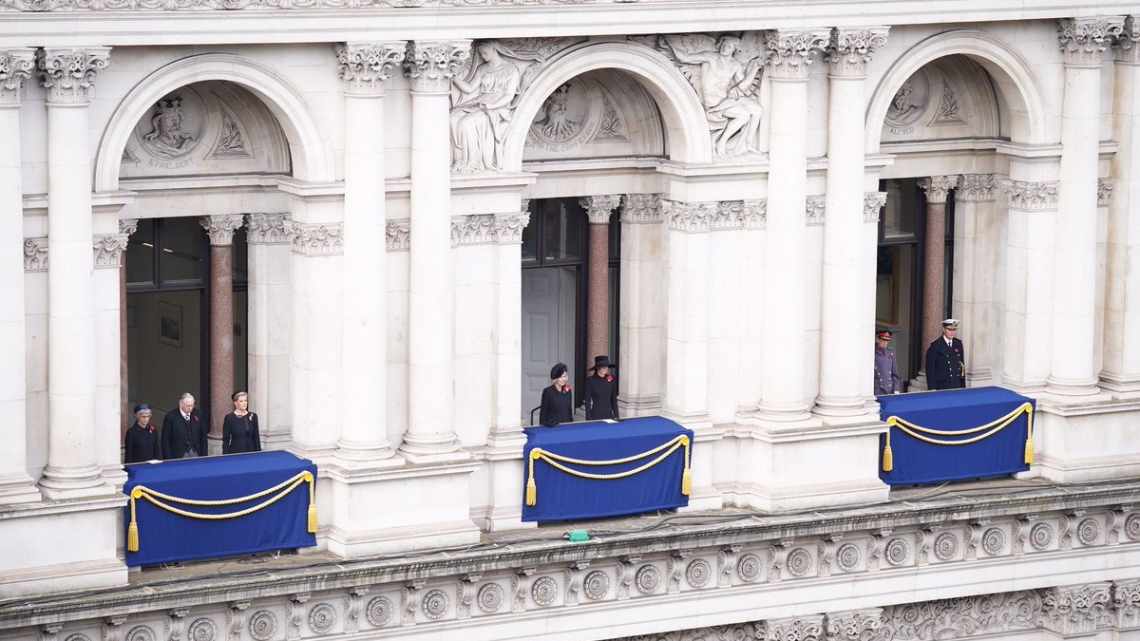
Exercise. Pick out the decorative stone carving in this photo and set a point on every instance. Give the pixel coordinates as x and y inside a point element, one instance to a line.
<point>141,633</point>
<point>170,132</point>
<point>599,208</point>
<point>956,618</point>
<point>748,568</point>
<point>77,637</point>
<point>949,110</point>
<point>221,228</point>
<point>474,229</point>
<point>410,602</point>
<point>397,235</point>
<point>725,71</point>
<point>873,203</point>
<point>268,229</point>
<point>35,254</point>
<point>352,609</point>
<point>576,114</point>
<point>128,226</point>
<point>814,209</point>
<point>379,611</point>
<point>364,66</point>
<point>1103,192</point>
<point>993,541</point>
<point>850,49</point>
<point>799,562</point>
<point>262,625</point>
<point>231,140</point>
<point>1041,536</point>
<point>431,64</point>
<point>1126,49</point>
<point>318,239</point>
<point>466,595</point>
<point>322,618</point>
<point>937,188</point>
<point>1077,609</point>
<point>791,52</point>
<point>69,74</point>
<point>975,188</point>
<point>641,209</point>
<point>689,217</point>
<point>202,629</point>
<point>739,214</point>
<point>1132,526</point>
<point>807,628</point>
<point>896,552</point>
<point>544,591</point>
<point>647,579</point>
<point>698,573</point>
<point>946,546</point>
<point>596,585</point>
<point>1126,602</point>
<point>490,597</point>
<point>109,250</point>
<point>1084,40</point>
<point>1031,196</point>
<point>1088,531</point>
<point>854,625</point>
<point>847,557</point>
<point>435,604</point>
<point>15,67</point>
<point>509,227</point>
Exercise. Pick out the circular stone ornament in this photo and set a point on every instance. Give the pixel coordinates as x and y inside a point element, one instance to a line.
<point>490,598</point>
<point>1041,536</point>
<point>202,629</point>
<point>896,552</point>
<point>647,579</point>
<point>945,546</point>
<point>435,604</point>
<point>848,557</point>
<point>379,611</point>
<point>698,572</point>
<point>322,618</point>
<point>799,562</point>
<point>748,568</point>
<point>263,625</point>
<point>596,585</point>
<point>993,541</point>
<point>544,591</point>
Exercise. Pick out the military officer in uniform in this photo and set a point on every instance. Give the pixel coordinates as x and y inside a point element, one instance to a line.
<point>946,359</point>
<point>601,391</point>
<point>887,379</point>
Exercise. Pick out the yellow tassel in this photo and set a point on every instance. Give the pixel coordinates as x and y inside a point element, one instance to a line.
<point>312,518</point>
<point>687,482</point>
<point>133,528</point>
<point>1029,451</point>
<point>888,458</point>
<point>531,492</point>
<point>1029,434</point>
<point>313,523</point>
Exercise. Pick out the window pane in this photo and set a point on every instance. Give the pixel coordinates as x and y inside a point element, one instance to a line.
<point>530,238</point>
<point>183,250</point>
<point>140,255</point>
<point>563,222</point>
<point>615,238</point>
<point>901,213</point>
<point>240,258</point>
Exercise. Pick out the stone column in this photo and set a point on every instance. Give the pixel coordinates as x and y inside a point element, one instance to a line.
<point>975,262</point>
<point>106,285</point>
<point>221,231</point>
<point>642,363</point>
<point>598,210</point>
<point>508,321</point>
<point>364,68</point>
<point>873,203</point>
<point>783,385</point>
<point>431,65</point>
<point>937,190</point>
<point>268,237</point>
<point>126,228</point>
<point>687,324</point>
<point>1083,43</point>
<point>15,484</point>
<point>72,469</point>
<point>844,287</point>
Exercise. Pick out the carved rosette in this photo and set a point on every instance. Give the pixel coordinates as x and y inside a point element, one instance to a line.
<point>976,188</point>
<point>431,64</point>
<point>35,254</point>
<point>854,625</point>
<point>1077,609</point>
<point>814,209</point>
<point>1031,196</point>
<point>791,52</point>
<point>805,628</point>
<point>1084,40</point>
<point>398,234</point>
<point>268,229</point>
<point>641,209</point>
<point>509,227</point>
<point>850,49</point>
<point>1126,50</point>
<point>690,218</point>
<point>221,228</point>
<point>69,74</point>
<point>937,188</point>
<point>15,67</point>
<point>873,203</point>
<point>109,250</point>
<point>599,208</point>
<point>318,239</point>
<point>1103,192</point>
<point>474,229</point>
<point>364,66</point>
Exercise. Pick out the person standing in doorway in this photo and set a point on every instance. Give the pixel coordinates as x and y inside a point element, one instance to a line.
<point>183,434</point>
<point>239,428</point>
<point>887,379</point>
<point>601,391</point>
<point>142,439</point>
<point>946,359</point>
<point>557,399</point>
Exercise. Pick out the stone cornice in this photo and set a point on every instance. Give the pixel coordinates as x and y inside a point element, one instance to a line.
<point>16,66</point>
<point>431,64</point>
<point>69,74</point>
<point>851,49</point>
<point>36,254</point>
<point>873,202</point>
<point>975,188</point>
<point>109,250</point>
<point>1084,40</point>
<point>221,228</point>
<point>365,66</point>
<point>318,239</point>
<point>1031,196</point>
<point>599,208</point>
<point>268,229</point>
<point>937,188</point>
<point>792,51</point>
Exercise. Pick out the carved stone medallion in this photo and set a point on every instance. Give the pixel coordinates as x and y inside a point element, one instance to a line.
<point>698,573</point>
<point>435,604</point>
<point>909,103</point>
<point>993,541</point>
<point>544,591</point>
<point>945,546</point>
<point>748,568</point>
<point>848,556</point>
<point>77,637</point>
<point>799,562</point>
<point>1132,526</point>
<point>596,585</point>
<point>140,633</point>
<point>647,579</point>
<point>202,629</point>
<point>173,127</point>
<point>322,618</point>
<point>490,598</point>
<point>896,552</point>
<point>1041,536</point>
<point>572,116</point>
<point>379,611</point>
<point>263,625</point>
<point>1088,531</point>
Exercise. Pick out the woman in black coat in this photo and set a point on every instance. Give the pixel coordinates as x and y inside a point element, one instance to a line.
<point>239,429</point>
<point>141,441</point>
<point>557,400</point>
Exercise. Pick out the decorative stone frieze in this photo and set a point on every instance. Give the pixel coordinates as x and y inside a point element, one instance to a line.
<point>109,250</point>
<point>16,66</point>
<point>474,229</point>
<point>364,66</point>
<point>937,188</point>
<point>873,203</point>
<point>851,49</point>
<point>1084,40</point>
<point>36,254</point>
<point>69,74</point>
<point>509,227</point>
<point>739,214</point>
<point>688,217</point>
<point>599,208</point>
<point>1031,196</point>
<point>1126,604</point>
<point>268,229</point>
<point>221,228</point>
<point>1103,192</point>
<point>1126,50</point>
<point>1077,609</point>
<point>805,628</point>
<point>975,188</point>
<point>853,625</point>
<point>641,209</point>
<point>431,64</point>
<point>397,235</point>
<point>318,239</point>
<point>792,52</point>
<point>815,207</point>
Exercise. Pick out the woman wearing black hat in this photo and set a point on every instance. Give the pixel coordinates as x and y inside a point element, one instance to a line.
<point>142,439</point>
<point>557,400</point>
<point>601,391</point>
<point>239,428</point>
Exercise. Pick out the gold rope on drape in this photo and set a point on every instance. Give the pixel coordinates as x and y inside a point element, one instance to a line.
<point>279,491</point>
<point>557,461</point>
<point>982,432</point>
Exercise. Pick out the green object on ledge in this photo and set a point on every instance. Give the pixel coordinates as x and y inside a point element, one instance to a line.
<point>578,536</point>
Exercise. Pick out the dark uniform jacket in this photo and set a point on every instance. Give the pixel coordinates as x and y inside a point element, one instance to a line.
<point>601,397</point>
<point>142,444</point>
<point>556,407</point>
<point>240,434</point>
<point>179,435</point>
<point>945,365</point>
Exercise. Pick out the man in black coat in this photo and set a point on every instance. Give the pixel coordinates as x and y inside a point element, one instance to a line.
<point>183,433</point>
<point>601,391</point>
<point>946,359</point>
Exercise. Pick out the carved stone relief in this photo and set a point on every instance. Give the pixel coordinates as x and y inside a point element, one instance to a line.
<point>949,98</point>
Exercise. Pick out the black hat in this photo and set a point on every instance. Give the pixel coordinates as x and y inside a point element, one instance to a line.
<point>885,333</point>
<point>602,361</point>
<point>558,370</point>
<point>140,407</point>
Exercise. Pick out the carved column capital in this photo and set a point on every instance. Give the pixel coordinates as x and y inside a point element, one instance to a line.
<point>791,52</point>
<point>509,227</point>
<point>1126,603</point>
<point>1077,609</point>
<point>16,66</point>
<point>35,254</point>
<point>221,228</point>
<point>431,64</point>
<point>317,239</point>
<point>937,188</point>
<point>109,250</point>
<point>364,66</point>
<point>805,628</point>
<point>472,229</point>
<point>873,202</point>
<point>268,229</point>
<point>1127,51</point>
<point>976,188</point>
<point>815,207</point>
<point>1103,192</point>
<point>1030,195</point>
<point>69,74</point>
<point>397,235</point>
<point>641,209</point>
<point>599,208</point>
<point>688,217</point>
<point>1084,40</point>
<point>128,226</point>
<point>853,625</point>
<point>850,49</point>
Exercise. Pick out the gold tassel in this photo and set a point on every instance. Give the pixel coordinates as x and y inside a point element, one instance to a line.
<point>312,518</point>
<point>133,528</point>
<point>531,487</point>
<point>687,476</point>
<point>313,522</point>
<point>888,453</point>
<point>1029,436</point>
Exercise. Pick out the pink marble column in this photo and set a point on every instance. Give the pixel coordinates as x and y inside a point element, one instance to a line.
<point>598,210</point>
<point>937,189</point>
<point>221,231</point>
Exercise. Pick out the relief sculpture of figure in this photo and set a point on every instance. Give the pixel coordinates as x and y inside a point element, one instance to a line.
<point>728,88</point>
<point>166,136</point>
<point>482,103</point>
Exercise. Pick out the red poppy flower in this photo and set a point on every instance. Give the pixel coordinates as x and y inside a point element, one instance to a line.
<point>609,378</point>
<point>567,389</point>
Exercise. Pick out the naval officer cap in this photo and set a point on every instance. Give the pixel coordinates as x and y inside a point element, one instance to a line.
<point>952,323</point>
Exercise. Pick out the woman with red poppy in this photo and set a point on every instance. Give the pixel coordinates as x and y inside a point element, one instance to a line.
<point>601,391</point>
<point>557,400</point>
<point>142,439</point>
